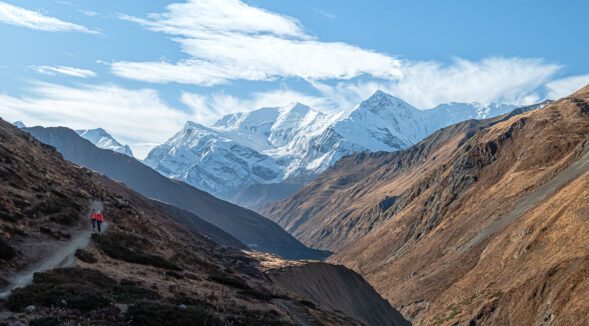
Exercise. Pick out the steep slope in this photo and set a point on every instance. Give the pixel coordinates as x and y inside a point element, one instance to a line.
<point>146,270</point>
<point>353,197</point>
<point>293,144</point>
<point>494,233</point>
<point>103,139</point>
<point>250,228</point>
<point>316,282</point>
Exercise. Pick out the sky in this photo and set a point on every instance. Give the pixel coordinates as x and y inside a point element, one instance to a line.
<point>141,69</point>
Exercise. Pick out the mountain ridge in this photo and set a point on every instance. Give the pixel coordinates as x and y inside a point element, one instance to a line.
<point>101,138</point>
<point>295,143</point>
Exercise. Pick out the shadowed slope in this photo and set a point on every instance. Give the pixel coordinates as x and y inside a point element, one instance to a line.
<point>247,226</point>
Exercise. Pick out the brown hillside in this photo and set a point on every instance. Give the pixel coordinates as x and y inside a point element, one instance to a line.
<point>482,222</point>
<point>362,191</point>
<point>498,234</point>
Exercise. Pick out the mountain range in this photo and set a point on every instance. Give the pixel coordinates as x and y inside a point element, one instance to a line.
<point>482,223</point>
<point>293,144</point>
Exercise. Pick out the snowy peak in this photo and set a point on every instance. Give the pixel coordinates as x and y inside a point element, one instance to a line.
<point>264,117</point>
<point>294,143</point>
<point>19,124</point>
<point>102,139</point>
<point>384,101</point>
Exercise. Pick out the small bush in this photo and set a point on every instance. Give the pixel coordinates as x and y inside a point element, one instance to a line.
<point>6,250</point>
<point>229,280</point>
<point>111,246</point>
<point>45,321</point>
<point>133,293</point>
<point>174,275</point>
<point>76,288</point>
<point>86,256</point>
<point>148,314</point>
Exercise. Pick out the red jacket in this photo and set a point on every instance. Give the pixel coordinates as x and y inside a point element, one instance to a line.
<point>97,216</point>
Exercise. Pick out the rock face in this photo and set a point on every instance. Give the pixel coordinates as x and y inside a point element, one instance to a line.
<point>293,144</point>
<point>103,139</point>
<point>480,223</point>
<point>250,228</point>
<point>149,268</point>
<point>339,289</point>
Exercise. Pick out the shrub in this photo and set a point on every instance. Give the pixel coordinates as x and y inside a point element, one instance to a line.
<point>149,314</point>
<point>116,248</point>
<point>229,280</point>
<point>86,256</point>
<point>76,288</point>
<point>6,250</point>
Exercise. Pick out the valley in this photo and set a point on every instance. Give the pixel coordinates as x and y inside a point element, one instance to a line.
<point>469,225</point>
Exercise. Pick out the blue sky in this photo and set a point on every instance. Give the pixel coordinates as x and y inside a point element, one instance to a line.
<point>140,69</point>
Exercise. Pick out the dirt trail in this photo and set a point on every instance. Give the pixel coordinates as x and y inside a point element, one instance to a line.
<point>531,200</point>
<point>63,257</point>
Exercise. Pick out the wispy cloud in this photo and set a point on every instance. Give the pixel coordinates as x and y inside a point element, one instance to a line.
<point>326,14</point>
<point>88,13</point>
<point>229,40</point>
<point>18,16</point>
<point>509,80</point>
<point>63,70</point>
<point>120,110</point>
<point>566,86</point>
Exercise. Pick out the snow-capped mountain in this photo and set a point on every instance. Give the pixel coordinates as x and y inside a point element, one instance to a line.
<point>103,139</point>
<point>19,124</point>
<point>295,142</point>
<point>240,149</point>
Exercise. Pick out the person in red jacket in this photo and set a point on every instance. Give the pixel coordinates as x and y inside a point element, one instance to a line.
<point>97,220</point>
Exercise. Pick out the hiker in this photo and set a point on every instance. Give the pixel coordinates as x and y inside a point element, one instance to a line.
<point>97,220</point>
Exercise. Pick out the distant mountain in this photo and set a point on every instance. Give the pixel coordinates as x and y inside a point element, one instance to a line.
<point>103,139</point>
<point>293,144</point>
<point>239,150</point>
<point>19,124</point>
<point>252,229</point>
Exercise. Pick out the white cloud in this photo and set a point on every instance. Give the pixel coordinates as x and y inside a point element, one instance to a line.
<point>13,15</point>
<point>68,71</point>
<point>427,84</point>
<point>326,14</point>
<point>88,13</point>
<point>134,117</point>
<point>509,80</point>
<point>566,86</point>
<point>229,40</point>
